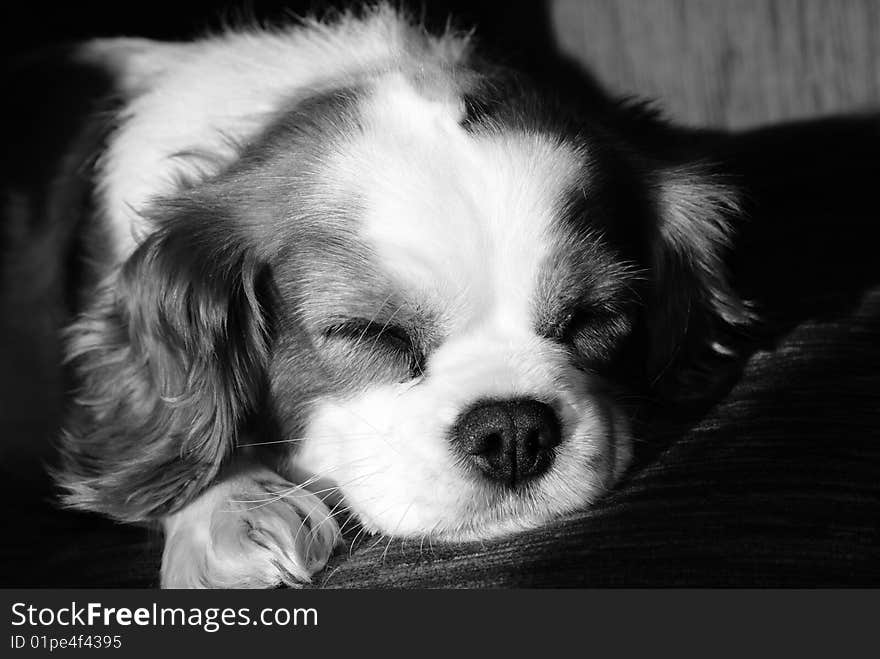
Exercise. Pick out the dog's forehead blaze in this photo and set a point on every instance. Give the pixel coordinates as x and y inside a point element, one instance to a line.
<point>460,220</point>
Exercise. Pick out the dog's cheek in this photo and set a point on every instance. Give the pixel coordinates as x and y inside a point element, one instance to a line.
<point>387,451</point>
<point>599,446</point>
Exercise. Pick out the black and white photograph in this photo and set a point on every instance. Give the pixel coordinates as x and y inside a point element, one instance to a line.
<point>440,295</point>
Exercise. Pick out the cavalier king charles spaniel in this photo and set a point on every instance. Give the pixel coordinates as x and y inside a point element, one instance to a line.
<point>350,266</point>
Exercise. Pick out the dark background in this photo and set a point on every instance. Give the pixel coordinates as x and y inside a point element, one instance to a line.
<point>732,64</point>
<point>777,483</point>
<point>27,26</point>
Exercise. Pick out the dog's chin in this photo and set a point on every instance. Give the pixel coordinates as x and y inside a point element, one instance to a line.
<point>463,506</point>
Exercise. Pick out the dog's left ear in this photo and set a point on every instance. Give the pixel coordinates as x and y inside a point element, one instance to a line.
<point>693,313</point>
<point>170,361</point>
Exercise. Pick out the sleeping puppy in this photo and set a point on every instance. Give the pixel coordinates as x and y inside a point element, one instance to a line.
<point>352,267</point>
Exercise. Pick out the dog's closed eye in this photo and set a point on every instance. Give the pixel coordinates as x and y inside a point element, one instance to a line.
<point>594,330</point>
<point>373,336</point>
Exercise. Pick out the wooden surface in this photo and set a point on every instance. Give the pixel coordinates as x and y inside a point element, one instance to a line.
<point>730,63</point>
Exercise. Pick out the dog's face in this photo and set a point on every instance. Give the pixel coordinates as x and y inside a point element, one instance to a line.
<point>433,301</point>
<point>455,324</point>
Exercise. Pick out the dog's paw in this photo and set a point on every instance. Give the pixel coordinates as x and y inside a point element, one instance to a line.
<point>254,530</point>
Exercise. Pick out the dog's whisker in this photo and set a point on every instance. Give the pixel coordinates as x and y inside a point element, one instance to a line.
<point>293,440</point>
<point>381,537</point>
<point>396,529</point>
<point>351,549</point>
<point>380,434</point>
<point>331,514</point>
<point>372,320</point>
<point>278,496</point>
<point>363,531</point>
<point>385,326</point>
<point>351,520</point>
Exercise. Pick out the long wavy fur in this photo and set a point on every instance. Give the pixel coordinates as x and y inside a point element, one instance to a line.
<point>170,359</point>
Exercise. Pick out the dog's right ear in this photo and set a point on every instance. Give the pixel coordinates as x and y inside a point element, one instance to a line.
<point>694,313</point>
<point>169,361</point>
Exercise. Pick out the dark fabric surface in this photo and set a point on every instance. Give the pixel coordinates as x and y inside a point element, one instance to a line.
<point>777,482</point>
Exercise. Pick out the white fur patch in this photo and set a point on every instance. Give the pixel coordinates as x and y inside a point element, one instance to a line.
<point>463,219</point>
<point>190,104</point>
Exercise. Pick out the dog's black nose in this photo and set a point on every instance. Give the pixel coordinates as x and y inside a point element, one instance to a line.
<point>510,441</point>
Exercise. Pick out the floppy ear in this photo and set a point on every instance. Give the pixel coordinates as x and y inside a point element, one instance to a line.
<point>170,361</point>
<point>694,314</point>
